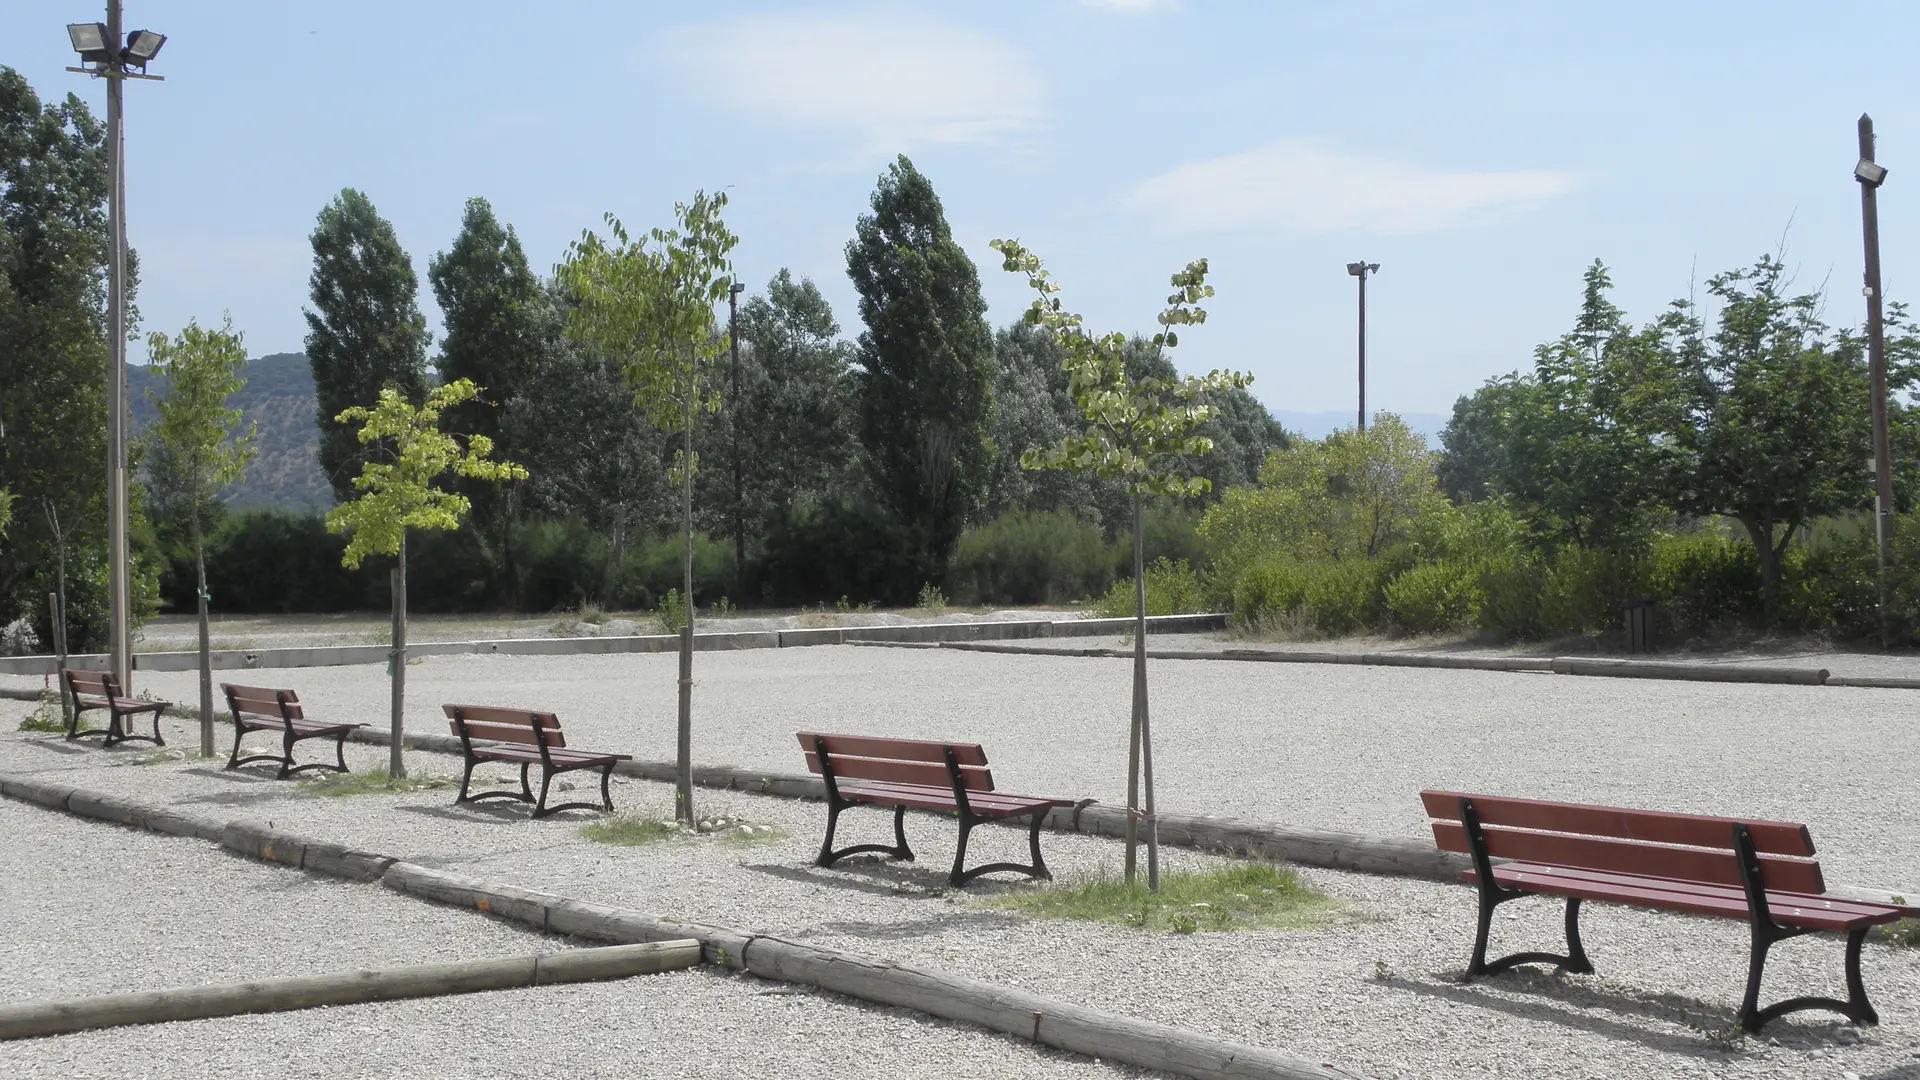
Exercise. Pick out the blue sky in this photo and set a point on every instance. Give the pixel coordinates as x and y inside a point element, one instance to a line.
<point>1482,153</point>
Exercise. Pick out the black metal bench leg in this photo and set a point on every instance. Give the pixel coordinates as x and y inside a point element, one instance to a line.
<point>286,752</point>
<point>1859,1009</point>
<point>340,750</point>
<point>233,759</point>
<point>1577,961</point>
<point>899,850</point>
<point>606,777</point>
<point>1033,844</point>
<point>1035,869</point>
<point>825,858</point>
<point>466,778</point>
<point>959,876</point>
<point>546,782</point>
<point>1856,1008</point>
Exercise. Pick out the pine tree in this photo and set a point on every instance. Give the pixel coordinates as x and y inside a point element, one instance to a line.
<point>364,331</point>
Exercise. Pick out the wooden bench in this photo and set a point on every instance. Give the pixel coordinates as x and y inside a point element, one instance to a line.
<point>534,737</point>
<point>101,690</point>
<point>1760,871</point>
<point>923,775</point>
<point>257,708</point>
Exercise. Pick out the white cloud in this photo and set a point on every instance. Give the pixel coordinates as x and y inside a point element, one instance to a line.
<point>1300,186</point>
<point>888,78</point>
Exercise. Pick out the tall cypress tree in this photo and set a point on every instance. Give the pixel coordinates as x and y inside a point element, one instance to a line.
<point>364,331</point>
<point>926,359</point>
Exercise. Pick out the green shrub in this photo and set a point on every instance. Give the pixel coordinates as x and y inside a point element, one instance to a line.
<point>1705,580</point>
<point>654,566</point>
<point>820,552</point>
<point>1172,589</point>
<point>1167,531</point>
<point>1263,594</point>
<point>1031,558</point>
<point>1343,597</point>
<point>1433,597</point>
<point>273,561</point>
<point>560,565</point>
<point>1510,587</point>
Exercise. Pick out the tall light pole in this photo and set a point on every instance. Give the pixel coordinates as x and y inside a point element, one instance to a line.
<point>106,57</point>
<point>1361,270</point>
<point>739,528</point>
<point>1871,175</point>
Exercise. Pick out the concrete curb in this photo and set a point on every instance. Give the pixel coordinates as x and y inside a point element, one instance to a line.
<point>340,655</point>
<point>37,1019</point>
<point>1558,665</point>
<point>1013,1012</point>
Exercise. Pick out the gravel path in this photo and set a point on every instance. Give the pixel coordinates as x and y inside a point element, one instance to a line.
<point>1374,991</point>
<point>1330,746</point>
<point>701,1025</point>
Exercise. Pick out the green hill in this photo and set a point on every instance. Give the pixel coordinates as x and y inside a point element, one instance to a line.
<point>285,471</point>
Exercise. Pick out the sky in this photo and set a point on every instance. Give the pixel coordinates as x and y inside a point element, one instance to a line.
<point>1482,153</point>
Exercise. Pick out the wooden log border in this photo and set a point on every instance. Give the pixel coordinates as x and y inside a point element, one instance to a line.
<point>36,1019</point>
<point>1044,1021</point>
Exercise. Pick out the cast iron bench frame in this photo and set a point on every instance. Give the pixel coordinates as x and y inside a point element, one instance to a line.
<point>525,737</point>
<point>1761,871</point>
<point>924,775</point>
<point>259,708</point>
<point>102,691</point>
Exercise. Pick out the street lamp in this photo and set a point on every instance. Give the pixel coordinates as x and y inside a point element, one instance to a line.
<point>100,48</point>
<point>1871,175</point>
<point>739,525</point>
<point>1361,270</point>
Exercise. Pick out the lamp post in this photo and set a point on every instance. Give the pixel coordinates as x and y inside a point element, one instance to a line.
<point>105,57</point>
<point>1361,270</point>
<point>1871,175</point>
<point>739,528</point>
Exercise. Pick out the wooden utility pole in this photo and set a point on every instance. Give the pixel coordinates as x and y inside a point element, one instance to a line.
<point>1870,176</point>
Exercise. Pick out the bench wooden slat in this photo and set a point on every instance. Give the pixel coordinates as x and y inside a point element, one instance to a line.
<point>1631,857</point>
<point>973,778</point>
<point>1521,872</point>
<point>896,749</point>
<point>510,733</point>
<point>1692,830</point>
<point>532,753</point>
<point>263,701</point>
<point>926,797</point>
<point>496,714</point>
<point>1788,909</point>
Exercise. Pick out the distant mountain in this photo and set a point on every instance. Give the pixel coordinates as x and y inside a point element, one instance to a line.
<point>1318,425</point>
<point>285,471</point>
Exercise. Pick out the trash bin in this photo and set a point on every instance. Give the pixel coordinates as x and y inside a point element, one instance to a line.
<point>1639,616</point>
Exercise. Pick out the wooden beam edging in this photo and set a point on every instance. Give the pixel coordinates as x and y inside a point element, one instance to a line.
<point>1042,1020</point>
<point>36,1019</point>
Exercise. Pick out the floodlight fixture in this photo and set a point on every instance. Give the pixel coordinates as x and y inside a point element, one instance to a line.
<point>1360,269</point>
<point>1870,173</point>
<point>142,46</point>
<point>90,41</point>
<point>738,288</point>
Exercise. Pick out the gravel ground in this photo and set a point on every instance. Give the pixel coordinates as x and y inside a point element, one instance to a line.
<point>1322,745</point>
<point>1374,991</point>
<point>695,1024</point>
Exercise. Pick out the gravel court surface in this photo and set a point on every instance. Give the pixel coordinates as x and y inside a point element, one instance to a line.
<point>1375,992</point>
<point>91,910</point>
<point>697,1024</point>
<point>1319,745</point>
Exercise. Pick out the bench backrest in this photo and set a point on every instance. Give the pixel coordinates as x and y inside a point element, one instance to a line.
<point>1609,839</point>
<point>99,684</point>
<point>262,701</point>
<point>498,724</point>
<point>899,761</point>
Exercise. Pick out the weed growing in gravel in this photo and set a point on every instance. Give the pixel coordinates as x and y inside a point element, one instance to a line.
<point>932,601</point>
<point>1239,896</point>
<point>1904,934</point>
<point>370,783</point>
<point>47,718</point>
<point>629,831</point>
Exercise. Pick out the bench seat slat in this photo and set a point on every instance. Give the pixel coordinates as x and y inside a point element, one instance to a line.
<point>927,797</point>
<point>559,755</point>
<point>1523,872</point>
<point>257,722</point>
<point>1788,909</point>
<point>1652,826</point>
<point>1631,857</point>
<point>898,771</point>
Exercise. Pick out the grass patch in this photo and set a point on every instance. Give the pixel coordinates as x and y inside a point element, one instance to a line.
<point>370,783</point>
<point>627,831</point>
<point>1239,896</point>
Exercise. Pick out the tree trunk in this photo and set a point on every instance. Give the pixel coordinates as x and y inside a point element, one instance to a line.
<point>57,626</point>
<point>1142,729</point>
<point>1761,534</point>
<point>683,777</point>
<point>206,648</point>
<point>397,657</point>
<point>1139,694</point>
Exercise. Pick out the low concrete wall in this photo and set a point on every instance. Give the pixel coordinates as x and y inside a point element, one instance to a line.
<point>339,655</point>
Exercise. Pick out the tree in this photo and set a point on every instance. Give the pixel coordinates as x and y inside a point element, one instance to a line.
<point>54,245</point>
<point>796,410</point>
<point>397,494</point>
<point>1353,495</point>
<point>500,328</point>
<point>1473,458</point>
<point>1763,418</point>
<point>364,332</point>
<point>1136,427</point>
<point>200,435</point>
<point>653,309</point>
<point>926,362</point>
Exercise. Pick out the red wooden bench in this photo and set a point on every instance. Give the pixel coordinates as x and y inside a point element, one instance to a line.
<point>1760,871</point>
<point>256,708</point>
<point>923,775</point>
<point>100,690</point>
<point>525,738</point>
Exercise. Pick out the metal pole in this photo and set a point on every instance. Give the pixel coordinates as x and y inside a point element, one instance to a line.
<point>119,615</point>
<point>1877,375</point>
<point>1363,347</point>
<point>739,528</point>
